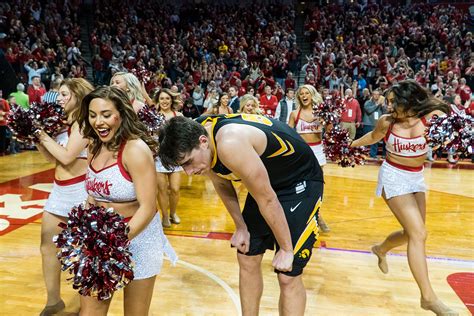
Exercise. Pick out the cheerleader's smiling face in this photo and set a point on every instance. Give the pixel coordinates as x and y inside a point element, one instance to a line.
<point>305,97</point>
<point>250,107</point>
<point>66,99</point>
<point>104,118</point>
<point>165,101</point>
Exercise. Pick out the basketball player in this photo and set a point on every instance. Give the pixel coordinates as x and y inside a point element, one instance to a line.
<point>285,184</point>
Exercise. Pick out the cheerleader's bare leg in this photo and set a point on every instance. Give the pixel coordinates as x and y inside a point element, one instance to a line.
<point>51,265</point>
<point>137,297</point>
<point>410,210</point>
<point>91,306</point>
<point>163,198</point>
<point>174,184</point>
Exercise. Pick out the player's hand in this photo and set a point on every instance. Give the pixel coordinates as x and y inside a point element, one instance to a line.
<point>241,240</point>
<point>283,260</point>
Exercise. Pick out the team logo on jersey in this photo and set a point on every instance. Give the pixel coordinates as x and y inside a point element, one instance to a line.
<point>286,148</point>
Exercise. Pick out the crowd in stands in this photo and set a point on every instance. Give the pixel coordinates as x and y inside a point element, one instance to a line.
<point>214,46</point>
<point>41,42</point>
<point>376,46</point>
<point>359,52</point>
<point>205,50</point>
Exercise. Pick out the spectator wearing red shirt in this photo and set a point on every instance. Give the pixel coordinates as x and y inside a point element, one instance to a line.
<point>464,90</point>
<point>352,115</point>
<point>35,90</point>
<point>4,109</point>
<point>268,102</point>
<point>290,83</point>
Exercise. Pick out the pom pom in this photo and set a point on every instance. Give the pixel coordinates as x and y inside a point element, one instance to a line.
<point>20,121</point>
<point>337,144</point>
<point>152,119</point>
<point>94,248</point>
<point>453,132</point>
<point>143,74</point>
<point>47,116</point>
<point>330,110</point>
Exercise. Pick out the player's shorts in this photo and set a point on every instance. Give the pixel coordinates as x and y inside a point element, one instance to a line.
<point>301,205</point>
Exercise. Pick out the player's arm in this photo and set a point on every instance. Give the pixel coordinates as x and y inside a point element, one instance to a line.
<point>226,191</point>
<point>237,153</point>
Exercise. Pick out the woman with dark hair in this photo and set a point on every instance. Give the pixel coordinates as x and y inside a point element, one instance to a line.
<point>401,182</point>
<point>167,103</point>
<point>68,151</point>
<point>221,107</point>
<point>121,176</point>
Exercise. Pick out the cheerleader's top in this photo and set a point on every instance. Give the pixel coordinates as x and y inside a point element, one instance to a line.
<point>409,147</point>
<point>111,184</point>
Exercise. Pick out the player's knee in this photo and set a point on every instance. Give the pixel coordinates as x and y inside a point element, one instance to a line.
<point>249,264</point>
<point>288,283</point>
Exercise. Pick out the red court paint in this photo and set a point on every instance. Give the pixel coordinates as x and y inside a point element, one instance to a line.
<point>221,236</point>
<point>463,284</point>
<point>19,204</point>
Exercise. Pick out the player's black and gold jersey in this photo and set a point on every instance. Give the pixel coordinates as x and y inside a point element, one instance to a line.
<point>287,157</point>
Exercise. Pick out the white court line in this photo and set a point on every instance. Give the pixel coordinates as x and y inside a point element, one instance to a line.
<point>215,278</point>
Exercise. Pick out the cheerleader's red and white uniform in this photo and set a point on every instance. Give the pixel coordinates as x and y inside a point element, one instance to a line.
<point>113,184</point>
<point>395,179</point>
<point>304,127</point>
<point>66,193</point>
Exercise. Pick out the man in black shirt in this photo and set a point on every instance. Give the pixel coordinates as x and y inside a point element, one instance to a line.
<point>285,184</point>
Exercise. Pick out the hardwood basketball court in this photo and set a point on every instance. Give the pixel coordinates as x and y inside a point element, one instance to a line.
<point>342,278</point>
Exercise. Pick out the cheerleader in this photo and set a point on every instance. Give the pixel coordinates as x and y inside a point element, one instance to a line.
<point>401,182</point>
<point>221,107</point>
<point>68,152</point>
<point>131,85</point>
<point>309,128</point>
<point>167,103</point>
<point>249,105</point>
<point>120,176</point>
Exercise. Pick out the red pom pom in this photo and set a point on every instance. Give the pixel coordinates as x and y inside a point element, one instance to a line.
<point>330,110</point>
<point>20,121</point>
<point>152,119</point>
<point>337,144</point>
<point>95,250</point>
<point>454,132</point>
<point>47,116</point>
<point>143,74</point>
